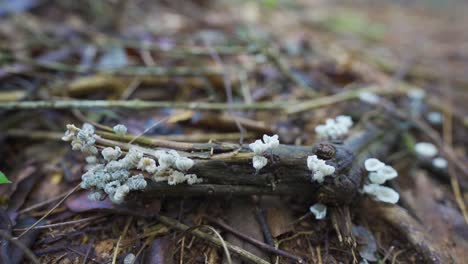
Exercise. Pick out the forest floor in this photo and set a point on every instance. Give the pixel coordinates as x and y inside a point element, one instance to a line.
<point>207,78</point>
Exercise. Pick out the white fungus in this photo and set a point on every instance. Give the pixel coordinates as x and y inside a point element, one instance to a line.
<point>379,174</point>
<point>319,168</point>
<point>259,147</point>
<point>120,129</point>
<point>147,164</point>
<point>369,97</point>
<point>112,176</point>
<point>120,194</point>
<point>132,158</point>
<point>440,163</point>
<point>416,94</point>
<point>175,178</point>
<point>373,164</point>
<point>425,149</point>
<point>95,196</point>
<point>110,153</point>
<point>129,259</point>
<point>91,160</point>
<point>381,193</point>
<point>319,210</point>
<point>193,179</point>
<point>259,162</point>
<point>136,182</point>
<point>416,97</point>
<point>183,163</point>
<point>82,139</point>
<point>272,142</point>
<point>70,133</point>
<point>172,168</point>
<point>383,174</point>
<point>334,128</point>
<point>435,118</point>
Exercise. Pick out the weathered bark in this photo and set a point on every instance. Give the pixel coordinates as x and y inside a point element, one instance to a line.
<point>231,173</point>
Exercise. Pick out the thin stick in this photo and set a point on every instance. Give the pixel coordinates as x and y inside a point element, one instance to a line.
<point>254,241</point>
<point>221,239</point>
<point>228,89</point>
<point>64,223</point>
<point>20,245</point>
<point>116,251</point>
<point>137,104</point>
<point>50,211</point>
<point>46,202</point>
<point>247,256</point>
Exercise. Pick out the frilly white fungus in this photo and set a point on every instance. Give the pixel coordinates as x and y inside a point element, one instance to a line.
<point>110,153</point>
<point>319,210</point>
<point>369,97</point>
<point>91,160</point>
<point>112,175</point>
<point>272,142</point>
<point>147,164</point>
<point>183,163</point>
<point>70,133</point>
<point>136,182</point>
<point>120,194</point>
<point>334,128</point>
<point>132,158</point>
<point>319,168</point>
<point>192,179</point>
<point>259,162</point>
<point>95,196</point>
<point>373,164</point>
<point>259,148</point>
<point>120,129</point>
<point>82,139</point>
<point>440,163</point>
<point>382,193</point>
<point>425,149</point>
<point>383,174</point>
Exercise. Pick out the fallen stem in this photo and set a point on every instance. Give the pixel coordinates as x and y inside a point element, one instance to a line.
<point>245,255</point>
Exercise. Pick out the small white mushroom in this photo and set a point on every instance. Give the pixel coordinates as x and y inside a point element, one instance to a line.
<point>416,94</point>
<point>382,193</point>
<point>319,168</point>
<point>129,259</point>
<point>120,129</point>
<point>425,149</point>
<point>383,174</point>
<point>435,118</point>
<point>440,163</point>
<point>258,147</point>
<point>344,120</point>
<point>373,164</point>
<point>334,128</point>
<point>369,97</point>
<point>259,162</point>
<point>319,210</point>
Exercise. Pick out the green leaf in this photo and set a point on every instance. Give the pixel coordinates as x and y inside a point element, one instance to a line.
<point>3,178</point>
